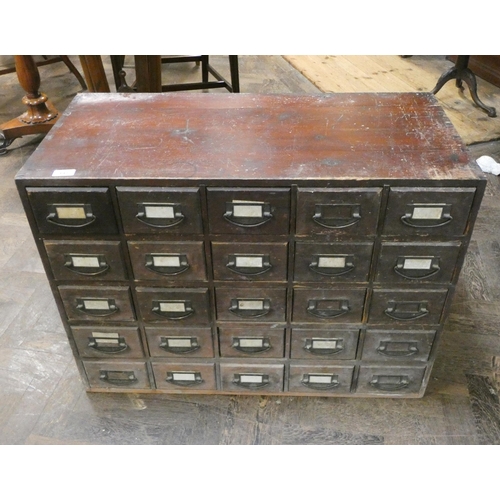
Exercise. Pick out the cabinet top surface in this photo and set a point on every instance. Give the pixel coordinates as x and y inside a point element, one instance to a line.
<point>253,137</point>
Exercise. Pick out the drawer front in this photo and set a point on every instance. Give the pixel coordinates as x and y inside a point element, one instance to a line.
<point>390,380</point>
<point>117,374</point>
<point>180,342</point>
<point>185,376</point>
<point>440,212</point>
<point>252,342</point>
<point>332,262</point>
<point>250,261</point>
<point>73,211</point>
<point>320,378</point>
<point>413,263</point>
<point>397,346</point>
<point>342,212</point>
<point>179,306</point>
<point>168,261</point>
<point>249,211</point>
<point>259,378</point>
<point>328,305</point>
<point>250,304</point>
<point>86,260</point>
<point>324,344</point>
<point>407,306</point>
<point>160,210</point>
<point>98,342</point>
<point>97,304</point>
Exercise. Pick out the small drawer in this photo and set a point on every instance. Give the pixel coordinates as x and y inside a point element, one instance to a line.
<point>73,211</point>
<point>117,374</point>
<point>177,342</point>
<point>99,342</point>
<point>440,212</point>
<point>324,344</point>
<point>185,376</point>
<point>257,342</point>
<point>160,210</point>
<point>168,261</point>
<point>396,346</point>
<point>320,378</point>
<point>184,306</point>
<point>258,377</point>
<point>250,261</point>
<point>250,304</point>
<point>86,260</point>
<point>249,211</point>
<point>346,212</point>
<point>407,306</point>
<point>332,262</point>
<point>390,380</point>
<point>417,262</point>
<point>86,303</point>
<point>343,305</point>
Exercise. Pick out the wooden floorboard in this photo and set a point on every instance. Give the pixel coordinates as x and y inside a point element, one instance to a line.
<point>42,399</point>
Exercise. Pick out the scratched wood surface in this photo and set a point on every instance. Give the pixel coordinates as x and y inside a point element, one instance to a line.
<point>42,400</point>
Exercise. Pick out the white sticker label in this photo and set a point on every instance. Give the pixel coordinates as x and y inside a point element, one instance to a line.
<point>324,344</point>
<point>427,212</point>
<point>186,377</point>
<point>249,262</point>
<point>159,212</point>
<point>417,264</point>
<point>243,210</point>
<point>102,305</point>
<point>333,262</point>
<point>251,305</point>
<point>71,213</point>
<point>320,379</point>
<point>166,261</point>
<point>179,342</point>
<point>104,335</point>
<point>172,307</point>
<point>251,379</point>
<point>251,342</point>
<point>66,172</point>
<point>85,261</point>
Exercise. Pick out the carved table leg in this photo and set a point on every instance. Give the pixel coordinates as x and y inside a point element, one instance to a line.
<point>40,115</point>
<point>460,72</point>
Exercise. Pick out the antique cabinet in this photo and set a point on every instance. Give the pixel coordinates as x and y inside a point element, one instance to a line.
<point>253,244</point>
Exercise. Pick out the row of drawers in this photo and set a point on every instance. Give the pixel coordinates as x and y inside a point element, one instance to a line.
<point>319,211</point>
<point>191,306</point>
<point>256,377</point>
<point>384,346</point>
<point>316,262</point>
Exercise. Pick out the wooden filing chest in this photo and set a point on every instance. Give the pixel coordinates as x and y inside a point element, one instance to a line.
<point>257,244</point>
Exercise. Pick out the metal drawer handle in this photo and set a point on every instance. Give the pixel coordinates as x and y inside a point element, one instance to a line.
<point>97,306</point>
<point>118,377</point>
<point>414,268</point>
<point>86,264</point>
<point>248,213</point>
<point>108,345</point>
<point>179,345</point>
<point>397,349</point>
<point>320,381</point>
<point>251,380</point>
<point>71,215</point>
<point>330,216</point>
<point>184,379</point>
<point>390,383</point>
<point>427,215</point>
<point>323,347</point>
<point>332,265</point>
<point>251,345</point>
<point>250,308</point>
<point>249,265</point>
<point>407,310</point>
<point>326,309</point>
<point>160,215</point>
<point>167,264</point>
<point>172,309</point>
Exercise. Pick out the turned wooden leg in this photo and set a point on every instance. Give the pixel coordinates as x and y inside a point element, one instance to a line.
<point>40,115</point>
